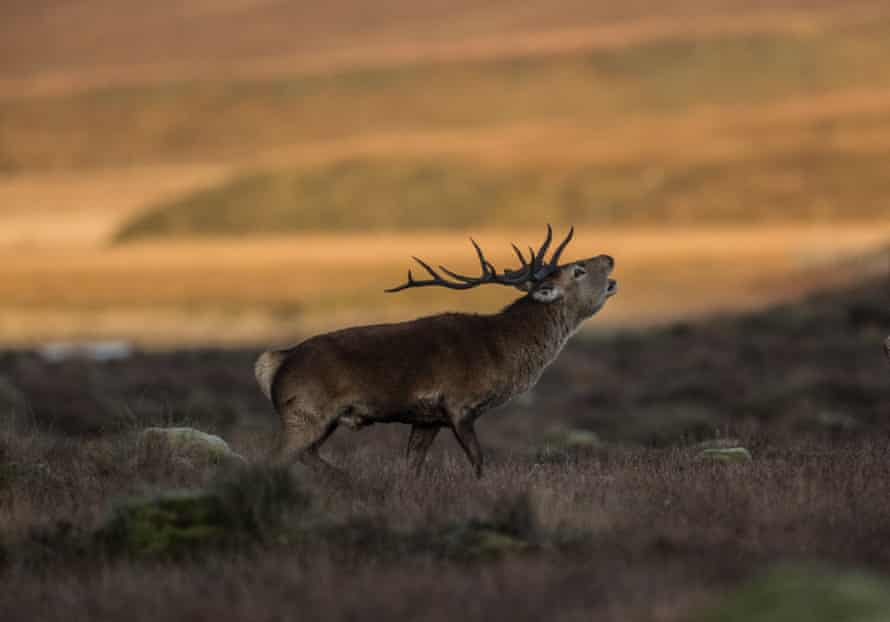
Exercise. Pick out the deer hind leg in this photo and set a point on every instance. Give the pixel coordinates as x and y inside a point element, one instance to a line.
<point>301,436</point>
<point>466,437</point>
<point>419,443</point>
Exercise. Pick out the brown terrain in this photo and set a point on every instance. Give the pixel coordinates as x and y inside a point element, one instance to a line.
<point>204,180</point>
<point>598,500</point>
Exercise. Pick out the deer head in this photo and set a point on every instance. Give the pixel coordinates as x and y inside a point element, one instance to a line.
<point>582,285</point>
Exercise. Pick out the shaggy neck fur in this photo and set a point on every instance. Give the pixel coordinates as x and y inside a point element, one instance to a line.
<point>540,330</point>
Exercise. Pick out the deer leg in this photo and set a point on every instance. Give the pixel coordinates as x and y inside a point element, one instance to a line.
<point>301,438</point>
<point>419,443</point>
<point>466,437</point>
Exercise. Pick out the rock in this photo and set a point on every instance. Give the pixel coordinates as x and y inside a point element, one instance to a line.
<point>726,454</point>
<point>801,593</point>
<point>101,351</point>
<point>718,443</point>
<point>562,445</point>
<point>189,442</point>
<point>572,438</point>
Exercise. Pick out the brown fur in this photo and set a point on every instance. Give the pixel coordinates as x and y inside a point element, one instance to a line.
<point>434,372</point>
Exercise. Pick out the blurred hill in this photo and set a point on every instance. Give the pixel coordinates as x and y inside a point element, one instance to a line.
<point>568,111</point>
<point>52,46</point>
<point>721,148</point>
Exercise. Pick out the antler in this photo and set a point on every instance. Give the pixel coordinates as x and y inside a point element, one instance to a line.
<point>532,271</point>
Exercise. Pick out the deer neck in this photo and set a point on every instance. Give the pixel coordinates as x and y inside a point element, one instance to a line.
<point>536,333</point>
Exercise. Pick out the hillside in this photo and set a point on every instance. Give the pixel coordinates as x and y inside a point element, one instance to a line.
<point>132,42</point>
<point>392,195</point>
<point>570,111</point>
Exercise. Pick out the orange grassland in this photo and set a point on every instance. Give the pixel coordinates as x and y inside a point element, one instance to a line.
<point>151,101</point>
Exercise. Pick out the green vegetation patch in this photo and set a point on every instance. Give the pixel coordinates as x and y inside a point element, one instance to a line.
<point>267,507</point>
<point>787,594</point>
<point>237,510</point>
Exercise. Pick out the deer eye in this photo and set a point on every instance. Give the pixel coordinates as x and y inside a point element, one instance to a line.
<point>579,272</point>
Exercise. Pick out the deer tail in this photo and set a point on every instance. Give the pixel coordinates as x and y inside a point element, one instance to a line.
<point>266,368</point>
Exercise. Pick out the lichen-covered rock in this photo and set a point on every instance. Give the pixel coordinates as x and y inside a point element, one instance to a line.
<point>725,454</point>
<point>572,438</point>
<point>562,445</point>
<point>189,443</point>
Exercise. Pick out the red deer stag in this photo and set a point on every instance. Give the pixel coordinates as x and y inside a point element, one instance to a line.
<point>435,372</point>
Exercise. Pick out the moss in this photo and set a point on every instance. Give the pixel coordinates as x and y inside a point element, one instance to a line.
<point>245,508</point>
<point>510,529</point>
<point>790,593</point>
<point>477,540</point>
<point>170,527</point>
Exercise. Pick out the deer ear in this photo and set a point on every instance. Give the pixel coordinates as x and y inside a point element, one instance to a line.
<point>548,292</point>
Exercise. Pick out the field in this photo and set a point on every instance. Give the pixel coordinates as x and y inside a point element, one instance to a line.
<point>639,114</point>
<point>275,290</point>
<point>202,180</point>
<point>597,501</point>
<point>210,174</point>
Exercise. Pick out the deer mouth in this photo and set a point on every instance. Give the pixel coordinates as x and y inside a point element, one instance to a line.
<point>612,287</point>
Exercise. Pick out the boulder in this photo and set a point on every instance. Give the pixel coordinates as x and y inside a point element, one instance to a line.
<point>187,443</point>
<point>725,454</point>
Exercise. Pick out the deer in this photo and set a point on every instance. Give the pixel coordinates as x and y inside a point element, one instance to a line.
<point>435,372</point>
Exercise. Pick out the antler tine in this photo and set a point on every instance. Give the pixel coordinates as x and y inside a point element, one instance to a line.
<point>524,272</point>
<point>539,257</point>
<point>426,267</point>
<point>436,280</point>
<point>486,265</point>
<point>519,254</point>
<point>555,259</point>
<point>533,269</point>
<point>487,268</point>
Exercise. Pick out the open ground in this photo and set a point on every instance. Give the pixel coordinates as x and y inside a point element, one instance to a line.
<point>206,178</point>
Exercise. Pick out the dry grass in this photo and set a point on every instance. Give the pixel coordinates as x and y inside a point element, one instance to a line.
<point>217,291</point>
<point>590,91</point>
<point>634,528</point>
<point>133,43</point>
<point>637,534</point>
